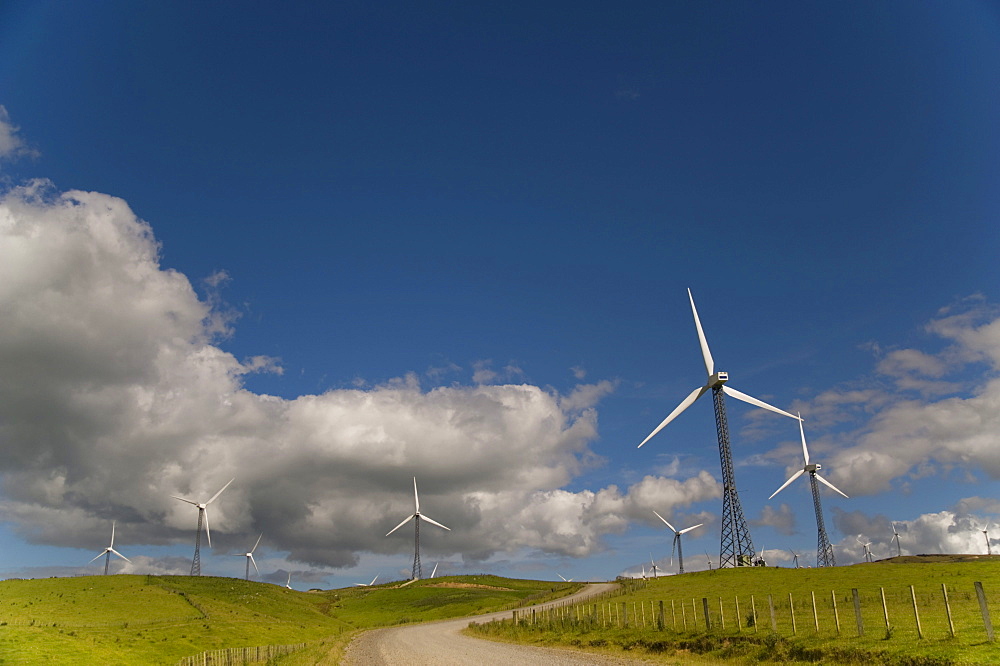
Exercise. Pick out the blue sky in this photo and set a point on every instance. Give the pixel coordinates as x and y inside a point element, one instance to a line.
<point>326,249</point>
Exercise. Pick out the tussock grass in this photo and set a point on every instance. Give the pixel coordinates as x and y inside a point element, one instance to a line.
<point>160,619</point>
<point>599,625</point>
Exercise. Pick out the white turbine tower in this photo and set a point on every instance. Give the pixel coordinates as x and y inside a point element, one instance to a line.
<point>989,547</point>
<point>824,550</point>
<point>107,552</point>
<point>416,516</point>
<point>250,559</point>
<point>677,542</point>
<point>736,548</point>
<point>895,537</point>
<point>368,584</point>
<point>202,518</point>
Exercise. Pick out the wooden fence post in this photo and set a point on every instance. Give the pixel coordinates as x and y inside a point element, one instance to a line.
<point>774,620</point>
<point>836,615</point>
<point>753,611</point>
<point>684,616</point>
<point>985,610</point>
<point>857,612</point>
<point>916,613</point>
<point>625,614</point>
<point>704,607</point>
<point>947,609</point>
<point>673,615</point>
<point>739,621</point>
<point>722,616</point>
<point>662,620</point>
<point>815,615</point>
<point>791,611</point>
<point>885,614</point>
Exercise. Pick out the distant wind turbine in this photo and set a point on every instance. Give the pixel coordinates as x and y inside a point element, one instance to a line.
<point>989,548</point>
<point>250,559</point>
<point>795,557</point>
<point>866,547</point>
<point>107,552</point>
<point>653,566</point>
<point>709,558</point>
<point>824,550</point>
<point>368,584</point>
<point>565,580</point>
<point>202,518</point>
<point>434,573</point>
<point>895,537</point>
<point>759,562</point>
<point>288,584</point>
<point>677,542</point>
<point>736,548</point>
<point>416,516</point>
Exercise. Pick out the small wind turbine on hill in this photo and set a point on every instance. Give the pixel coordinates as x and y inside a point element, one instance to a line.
<point>824,550</point>
<point>653,566</point>
<point>202,518</point>
<point>736,548</point>
<point>866,547</point>
<point>795,557</point>
<point>989,547</point>
<point>677,543</point>
<point>369,584</point>
<point>107,552</point>
<point>288,583</point>
<point>709,558</point>
<point>416,516</point>
<point>895,537</point>
<point>250,559</point>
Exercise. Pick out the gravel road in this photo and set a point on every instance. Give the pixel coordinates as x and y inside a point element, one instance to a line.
<point>442,643</point>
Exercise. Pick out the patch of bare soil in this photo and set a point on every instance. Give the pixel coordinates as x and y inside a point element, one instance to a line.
<point>472,585</point>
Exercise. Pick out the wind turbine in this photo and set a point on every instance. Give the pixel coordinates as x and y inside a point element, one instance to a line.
<point>202,518</point>
<point>653,566</point>
<point>989,548</point>
<point>677,543</point>
<point>107,552</point>
<point>795,557</point>
<point>565,580</point>
<point>866,547</point>
<point>288,584</point>
<point>759,562</point>
<point>416,516</point>
<point>368,584</point>
<point>736,548</point>
<point>709,557</point>
<point>824,550</point>
<point>895,536</point>
<point>250,559</point>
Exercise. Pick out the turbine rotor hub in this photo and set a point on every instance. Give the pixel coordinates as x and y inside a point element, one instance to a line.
<point>718,379</point>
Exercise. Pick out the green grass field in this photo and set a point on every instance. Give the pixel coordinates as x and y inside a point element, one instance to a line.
<point>160,619</point>
<point>599,624</point>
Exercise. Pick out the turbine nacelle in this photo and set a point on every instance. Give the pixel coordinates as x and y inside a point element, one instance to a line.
<point>812,468</point>
<point>717,379</point>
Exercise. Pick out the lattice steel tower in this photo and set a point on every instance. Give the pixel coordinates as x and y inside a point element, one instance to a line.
<point>736,548</point>
<point>416,517</point>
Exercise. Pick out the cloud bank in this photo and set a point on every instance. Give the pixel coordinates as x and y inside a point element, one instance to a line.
<point>116,393</point>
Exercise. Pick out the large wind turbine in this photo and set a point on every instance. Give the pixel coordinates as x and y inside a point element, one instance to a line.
<point>107,552</point>
<point>416,516</point>
<point>202,518</point>
<point>250,559</point>
<point>824,551</point>
<point>677,542</point>
<point>736,546</point>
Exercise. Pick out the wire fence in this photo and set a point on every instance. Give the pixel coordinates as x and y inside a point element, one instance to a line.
<point>240,656</point>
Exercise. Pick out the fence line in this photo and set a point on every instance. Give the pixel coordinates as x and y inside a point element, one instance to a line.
<point>240,656</point>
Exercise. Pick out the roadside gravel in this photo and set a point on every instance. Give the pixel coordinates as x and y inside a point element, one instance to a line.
<point>443,644</point>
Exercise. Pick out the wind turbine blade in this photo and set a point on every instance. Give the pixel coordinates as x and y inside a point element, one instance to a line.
<point>705,353</point>
<point>739,395</point>
<point>665,520</point>
<point>374,579</point>
<point>785,484</point>
<point>208,533</point>
<point>185,500</point>
<point>558,574</point>
<point>434,573</point>
<point>401,524</point>
<point>253,562</point>
<point>673,547</point>
<point>121,556</point>
<point>805,449</point>
<point>831,486</point>
<point>434,522</point>
<point>685,403</point>
<point>258,542</point>
<point>688,529</point>
<point>220,492</point>
<point>416,497</point>
<point>103,553</point>
<point>112,533</point>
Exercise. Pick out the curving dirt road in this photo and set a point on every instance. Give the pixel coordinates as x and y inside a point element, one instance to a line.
<point>442,643</point>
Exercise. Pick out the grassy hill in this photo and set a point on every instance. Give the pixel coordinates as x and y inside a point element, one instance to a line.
<point>599,625</point>
<point>160,619</point>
